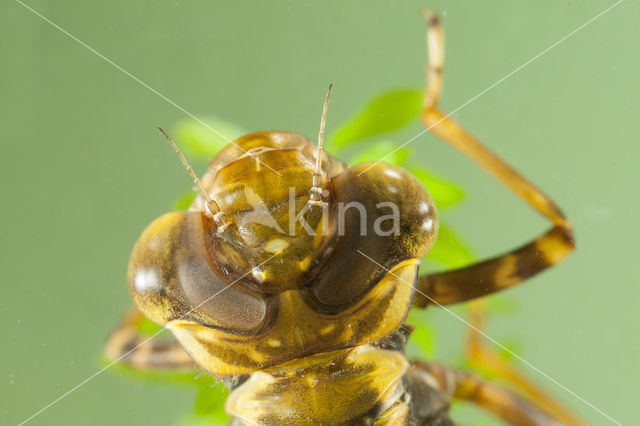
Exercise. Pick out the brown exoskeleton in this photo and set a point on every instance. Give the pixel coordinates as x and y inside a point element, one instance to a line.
<point>283,281</point>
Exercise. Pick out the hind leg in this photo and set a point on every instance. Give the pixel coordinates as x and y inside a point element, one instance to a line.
<point>127,345</point>
<point>485,359</point>
<point>503,403</point>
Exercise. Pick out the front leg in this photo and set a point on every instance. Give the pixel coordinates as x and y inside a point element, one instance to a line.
<point>126,344</point>
<point>497,273</point>
<point>509,269</point>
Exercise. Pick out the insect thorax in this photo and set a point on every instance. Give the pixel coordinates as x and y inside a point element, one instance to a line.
<point>352,386</point>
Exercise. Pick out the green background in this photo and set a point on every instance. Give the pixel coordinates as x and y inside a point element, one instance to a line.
<point>83,169</point>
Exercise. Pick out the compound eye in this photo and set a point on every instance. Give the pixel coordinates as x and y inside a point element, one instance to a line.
<point>385,216</point>
<point>173,277</point>
<point>237,310</point>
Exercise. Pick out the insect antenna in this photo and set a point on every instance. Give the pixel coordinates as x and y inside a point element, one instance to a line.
<point>316,189</point>
<point>212,206</point>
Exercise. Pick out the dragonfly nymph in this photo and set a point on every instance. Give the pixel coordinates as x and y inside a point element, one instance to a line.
<point>291,276</point>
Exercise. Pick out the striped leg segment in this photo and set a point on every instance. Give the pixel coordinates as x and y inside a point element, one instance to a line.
<point>494,274</point>
<point>127,345</point>
<point>501,402</point>
<point>508,269</point>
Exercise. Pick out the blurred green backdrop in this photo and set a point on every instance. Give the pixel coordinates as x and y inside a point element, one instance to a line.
<point>83,169</point>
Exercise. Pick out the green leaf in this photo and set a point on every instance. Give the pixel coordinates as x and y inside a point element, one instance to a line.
<point>381,149</point>
<point>211,395</point>
<point>385,113</point>
<point>449,249</point>
<point>444,193</point>
<point>185,200</point>
<point>210,419</point>
<point>200,141</point>
<point>209,405</point>
<point>146,327</point>
<point>422,343</point>
<point>169,377</point>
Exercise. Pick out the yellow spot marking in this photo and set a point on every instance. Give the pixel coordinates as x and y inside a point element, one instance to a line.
<point>275,245</point>
<point>304,263</point>
<point>553,249</point>
<point>328,329</point>
<point>348,332</point>
<point>274,343</point>
<point>312,382</point>
<point>505,275</point>
<point>258,274</point>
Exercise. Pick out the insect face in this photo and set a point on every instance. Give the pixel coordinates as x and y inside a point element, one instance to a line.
<point>277,277</point>
<point>262,185</point>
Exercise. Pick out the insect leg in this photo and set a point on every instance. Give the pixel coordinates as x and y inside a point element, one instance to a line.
<point>497,400</point>
<point>509,269</point>
<point>127,345</point>
<point>499,272</point>
<point>486,359</point>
